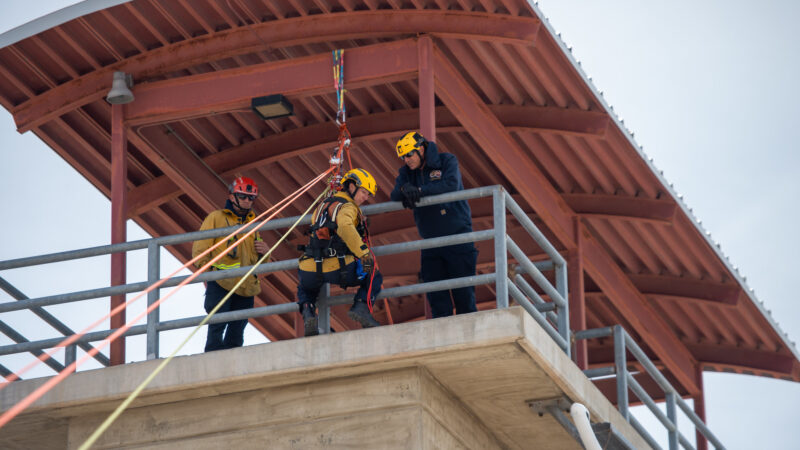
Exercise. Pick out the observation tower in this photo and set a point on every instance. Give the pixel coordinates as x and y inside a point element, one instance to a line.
<point>596,285</point>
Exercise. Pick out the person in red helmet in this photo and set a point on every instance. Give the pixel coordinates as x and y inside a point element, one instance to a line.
<point>243,192</point>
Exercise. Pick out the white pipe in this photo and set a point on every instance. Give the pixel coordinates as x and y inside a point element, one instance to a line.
<point>581,418</point>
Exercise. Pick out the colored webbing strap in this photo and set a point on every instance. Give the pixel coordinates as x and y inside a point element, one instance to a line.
<point>338,84</point>
<point>113,416</point>
<point>49,384</point>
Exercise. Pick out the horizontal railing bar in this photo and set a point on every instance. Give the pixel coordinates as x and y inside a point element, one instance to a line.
<point>50,319</point>
<point>594,333</point>
<point>645,434</point>
<point>698,423</point>
<point>443,241</point>
<point>255,312</point>
<point>651,369</point>
<point>233,273</point>
<point>531,270</point>
<point>20,339</point>
<point>421,288</point>
<point>466,194</point>
<point>600,372</point>
<point>545,265</point>
<point>537,316</point>
<point>540,304</point>
<point>651,404</point>
<point>5,373</point>
<point>241,314</point>
<point>685,442</point>
<point>53,342</point>
<point>162,326</point>
<point>217,232</point>
<point>533,230</point>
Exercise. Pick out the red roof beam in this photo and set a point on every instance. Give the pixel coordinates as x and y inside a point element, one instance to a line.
<point>228,90</point>
<point>278,33</point>
<point>725,293</point>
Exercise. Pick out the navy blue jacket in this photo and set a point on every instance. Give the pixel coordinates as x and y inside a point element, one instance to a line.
<point>438,175</point>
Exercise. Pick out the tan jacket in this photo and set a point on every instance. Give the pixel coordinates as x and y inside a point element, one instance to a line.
<point>243,255</point>
<point>347,219</point>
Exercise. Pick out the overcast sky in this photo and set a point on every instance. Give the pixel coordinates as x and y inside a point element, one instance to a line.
<point>710,89</point>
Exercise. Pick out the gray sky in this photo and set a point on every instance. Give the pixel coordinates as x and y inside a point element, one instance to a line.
<point>708,87</point>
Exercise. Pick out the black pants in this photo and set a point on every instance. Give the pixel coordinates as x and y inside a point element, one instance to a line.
<point>310,284</point>
<point>450,262</point>
<point>233,331</point>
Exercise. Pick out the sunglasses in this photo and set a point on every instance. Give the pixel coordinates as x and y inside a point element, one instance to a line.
<point>409,155</point>
<point>245,196</point>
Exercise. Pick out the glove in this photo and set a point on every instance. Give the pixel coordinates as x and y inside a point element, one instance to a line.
<point>367,262</point>
<point>411,193</point>
<point>407,203</point>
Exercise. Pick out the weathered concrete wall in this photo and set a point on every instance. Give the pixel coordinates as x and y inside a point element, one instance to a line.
<point>402,408</point>
<point>459,382</point>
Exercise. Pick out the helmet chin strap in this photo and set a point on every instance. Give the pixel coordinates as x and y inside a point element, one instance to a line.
<point>238,206</point>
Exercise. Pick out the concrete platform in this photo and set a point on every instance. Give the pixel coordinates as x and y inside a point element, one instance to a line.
<point>459,382</point>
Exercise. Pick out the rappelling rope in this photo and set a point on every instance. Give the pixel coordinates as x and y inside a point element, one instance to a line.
<point>344,147</point>
<point>111,418</point>
<point>368,240</point>
<point>36,394</point>
<point>71,339</point>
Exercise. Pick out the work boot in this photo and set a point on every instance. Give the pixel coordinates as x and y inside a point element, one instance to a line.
<point>309,319</point>
<point>360,313</point>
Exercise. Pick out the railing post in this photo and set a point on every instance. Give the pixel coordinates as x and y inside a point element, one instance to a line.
<point>153,275</point>
<point>325,310</point>
<point>70,354</point>
<point>622,372</point>
<point>500,251</point>
<point>673,417</point>
<point>563,312</point>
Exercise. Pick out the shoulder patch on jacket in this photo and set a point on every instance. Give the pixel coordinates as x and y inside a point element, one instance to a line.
<point>436,175</point>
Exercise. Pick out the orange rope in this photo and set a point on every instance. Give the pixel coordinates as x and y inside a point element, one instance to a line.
<point>27,401</point>
<point>69,340</point>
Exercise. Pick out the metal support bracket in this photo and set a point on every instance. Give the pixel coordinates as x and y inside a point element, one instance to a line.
<point>606,435</point>
<point>556,407</point>
<point>541,407</point>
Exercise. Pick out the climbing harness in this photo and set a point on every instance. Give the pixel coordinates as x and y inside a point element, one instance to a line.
<point>324,241</point>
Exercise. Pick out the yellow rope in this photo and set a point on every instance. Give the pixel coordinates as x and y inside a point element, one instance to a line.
<point>124,405</point>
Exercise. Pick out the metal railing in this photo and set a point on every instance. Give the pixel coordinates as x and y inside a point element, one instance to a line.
<point>552,315</point>
<point>623,343</point>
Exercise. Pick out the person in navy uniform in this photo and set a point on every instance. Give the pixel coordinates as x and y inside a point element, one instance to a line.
<point>428,172</point>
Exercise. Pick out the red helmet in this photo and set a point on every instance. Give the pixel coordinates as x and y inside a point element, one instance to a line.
<point>243,185</point>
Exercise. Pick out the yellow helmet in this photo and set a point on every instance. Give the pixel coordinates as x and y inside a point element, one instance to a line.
<point>408,143</point>
<point>361,178</point>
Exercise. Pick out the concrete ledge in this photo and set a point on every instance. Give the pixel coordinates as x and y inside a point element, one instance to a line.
<point>480,368</point>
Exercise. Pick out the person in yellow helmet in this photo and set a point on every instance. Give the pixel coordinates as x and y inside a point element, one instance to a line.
<point>426,172</point>
<point>243,192</point>
<point>338,253</point>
